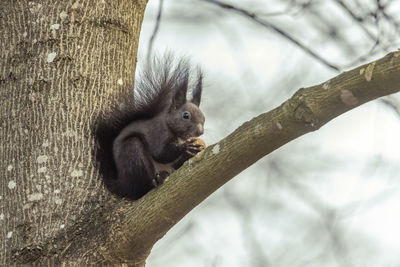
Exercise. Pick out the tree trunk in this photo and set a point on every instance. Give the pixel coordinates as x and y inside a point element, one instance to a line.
<point>61,63</point>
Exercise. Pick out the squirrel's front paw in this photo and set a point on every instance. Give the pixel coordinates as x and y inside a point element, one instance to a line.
<point>160,178</point>
<point>194,145</point>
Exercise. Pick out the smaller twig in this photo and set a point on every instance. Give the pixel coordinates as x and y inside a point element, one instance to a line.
<point>366,56</point>
<point>256,19</point>
<point>155,31</point>
<point>356,18</point>
<point>392,105</point>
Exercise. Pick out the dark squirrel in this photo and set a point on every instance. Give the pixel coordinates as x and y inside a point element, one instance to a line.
<point>142,141</point>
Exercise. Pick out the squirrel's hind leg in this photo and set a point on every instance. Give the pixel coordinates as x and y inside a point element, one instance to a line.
<point>136,173</point>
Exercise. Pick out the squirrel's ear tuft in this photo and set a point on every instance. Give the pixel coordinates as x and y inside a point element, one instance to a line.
<point>181,88</point>
<point>197,90</point>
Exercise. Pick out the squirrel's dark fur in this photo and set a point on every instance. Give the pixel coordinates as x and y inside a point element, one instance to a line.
<point>140,142</point>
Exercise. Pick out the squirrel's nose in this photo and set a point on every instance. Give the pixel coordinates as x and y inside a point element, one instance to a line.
<point>200,129</point>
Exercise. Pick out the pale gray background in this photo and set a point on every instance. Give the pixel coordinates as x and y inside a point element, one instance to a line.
<point>330,198</point>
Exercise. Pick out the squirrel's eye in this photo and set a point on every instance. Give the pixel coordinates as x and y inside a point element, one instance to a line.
<point>186,115</point>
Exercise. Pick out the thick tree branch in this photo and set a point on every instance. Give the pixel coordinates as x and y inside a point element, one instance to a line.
<point>143,222</point>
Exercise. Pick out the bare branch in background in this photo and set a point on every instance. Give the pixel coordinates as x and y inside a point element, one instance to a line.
<point>392,104</point>
<point>288,10</point>
<point>256,19</point>
<point>377,24</point>
<point>155,31</point>
<point>258,257</point>
<point>358,19</point>
<point>366,56</point>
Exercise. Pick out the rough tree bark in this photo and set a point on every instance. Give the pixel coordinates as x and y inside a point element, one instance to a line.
<point>61,62</point>
<point>54,79</point>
